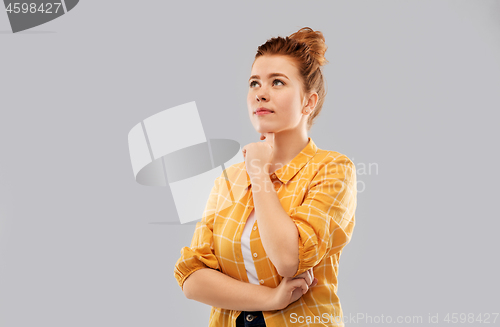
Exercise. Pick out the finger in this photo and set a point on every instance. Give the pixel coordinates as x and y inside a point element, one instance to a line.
<point>304,286</point>
<point>314,283</point>
<point>312,275</point>
<point>308,277</point>
<point>300,284</point>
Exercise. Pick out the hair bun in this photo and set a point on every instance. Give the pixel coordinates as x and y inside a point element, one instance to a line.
<point>315,42</point>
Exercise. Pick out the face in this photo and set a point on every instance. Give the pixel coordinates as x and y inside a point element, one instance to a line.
<point>276,84</point>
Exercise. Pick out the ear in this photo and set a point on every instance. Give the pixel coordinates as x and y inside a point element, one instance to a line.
<point>311,101</point>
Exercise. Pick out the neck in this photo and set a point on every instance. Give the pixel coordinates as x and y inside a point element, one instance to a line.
<point>286,147</point>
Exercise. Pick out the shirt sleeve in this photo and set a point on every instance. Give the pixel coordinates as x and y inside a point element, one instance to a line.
<point>200,253</point>
<point>325,219</point>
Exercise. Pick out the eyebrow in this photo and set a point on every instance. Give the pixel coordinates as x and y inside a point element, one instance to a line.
<point>269,76</point>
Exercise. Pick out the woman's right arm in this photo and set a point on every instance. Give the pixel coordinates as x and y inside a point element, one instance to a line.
<point>215,288</point>
<point>198,273</point>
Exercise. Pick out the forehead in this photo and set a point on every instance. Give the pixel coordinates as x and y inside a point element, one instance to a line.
<point>265,65</point>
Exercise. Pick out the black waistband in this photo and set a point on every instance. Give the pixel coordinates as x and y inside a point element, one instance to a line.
<point>253,313</point>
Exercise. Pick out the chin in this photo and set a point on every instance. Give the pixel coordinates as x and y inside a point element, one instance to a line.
<point>264,128</point>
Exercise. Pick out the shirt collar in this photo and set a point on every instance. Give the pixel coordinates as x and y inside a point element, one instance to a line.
<point>288,171</point>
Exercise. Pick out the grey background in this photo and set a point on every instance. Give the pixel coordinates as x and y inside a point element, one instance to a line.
<point>412,87</point>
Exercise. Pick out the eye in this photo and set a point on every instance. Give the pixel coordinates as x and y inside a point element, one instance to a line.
<point>277,80</point>
<point>252,83</point>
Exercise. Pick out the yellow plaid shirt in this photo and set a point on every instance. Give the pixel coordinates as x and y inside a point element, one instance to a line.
<point>318,191</point>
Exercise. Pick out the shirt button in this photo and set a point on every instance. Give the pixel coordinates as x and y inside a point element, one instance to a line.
<point>255,255</point>
<point>250,317</point>
<point>254,227</point>
<point>261,281</point>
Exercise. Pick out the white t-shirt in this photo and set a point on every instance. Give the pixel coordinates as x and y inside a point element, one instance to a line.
<point>247,253</point>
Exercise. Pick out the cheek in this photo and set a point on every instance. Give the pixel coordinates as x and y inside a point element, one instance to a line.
<point>289,101</point>
<point>250,96</point>
<point>249,104</point>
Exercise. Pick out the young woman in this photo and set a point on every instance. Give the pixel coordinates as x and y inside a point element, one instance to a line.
<point>267,249</point>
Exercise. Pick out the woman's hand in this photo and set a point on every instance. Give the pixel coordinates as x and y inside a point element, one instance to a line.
<point>291,289</point>
<point>308,276</point>
<point>258,155</point>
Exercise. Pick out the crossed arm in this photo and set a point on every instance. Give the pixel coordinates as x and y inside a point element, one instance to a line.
<point>215,288</point>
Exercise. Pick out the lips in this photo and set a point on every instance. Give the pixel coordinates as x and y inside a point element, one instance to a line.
<point>263,110</point>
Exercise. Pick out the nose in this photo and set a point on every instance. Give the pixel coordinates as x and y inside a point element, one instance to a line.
<point>262,93</point>
<point>262,97</point>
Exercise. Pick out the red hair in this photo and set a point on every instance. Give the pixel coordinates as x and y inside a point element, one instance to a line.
<point>307,49</point>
